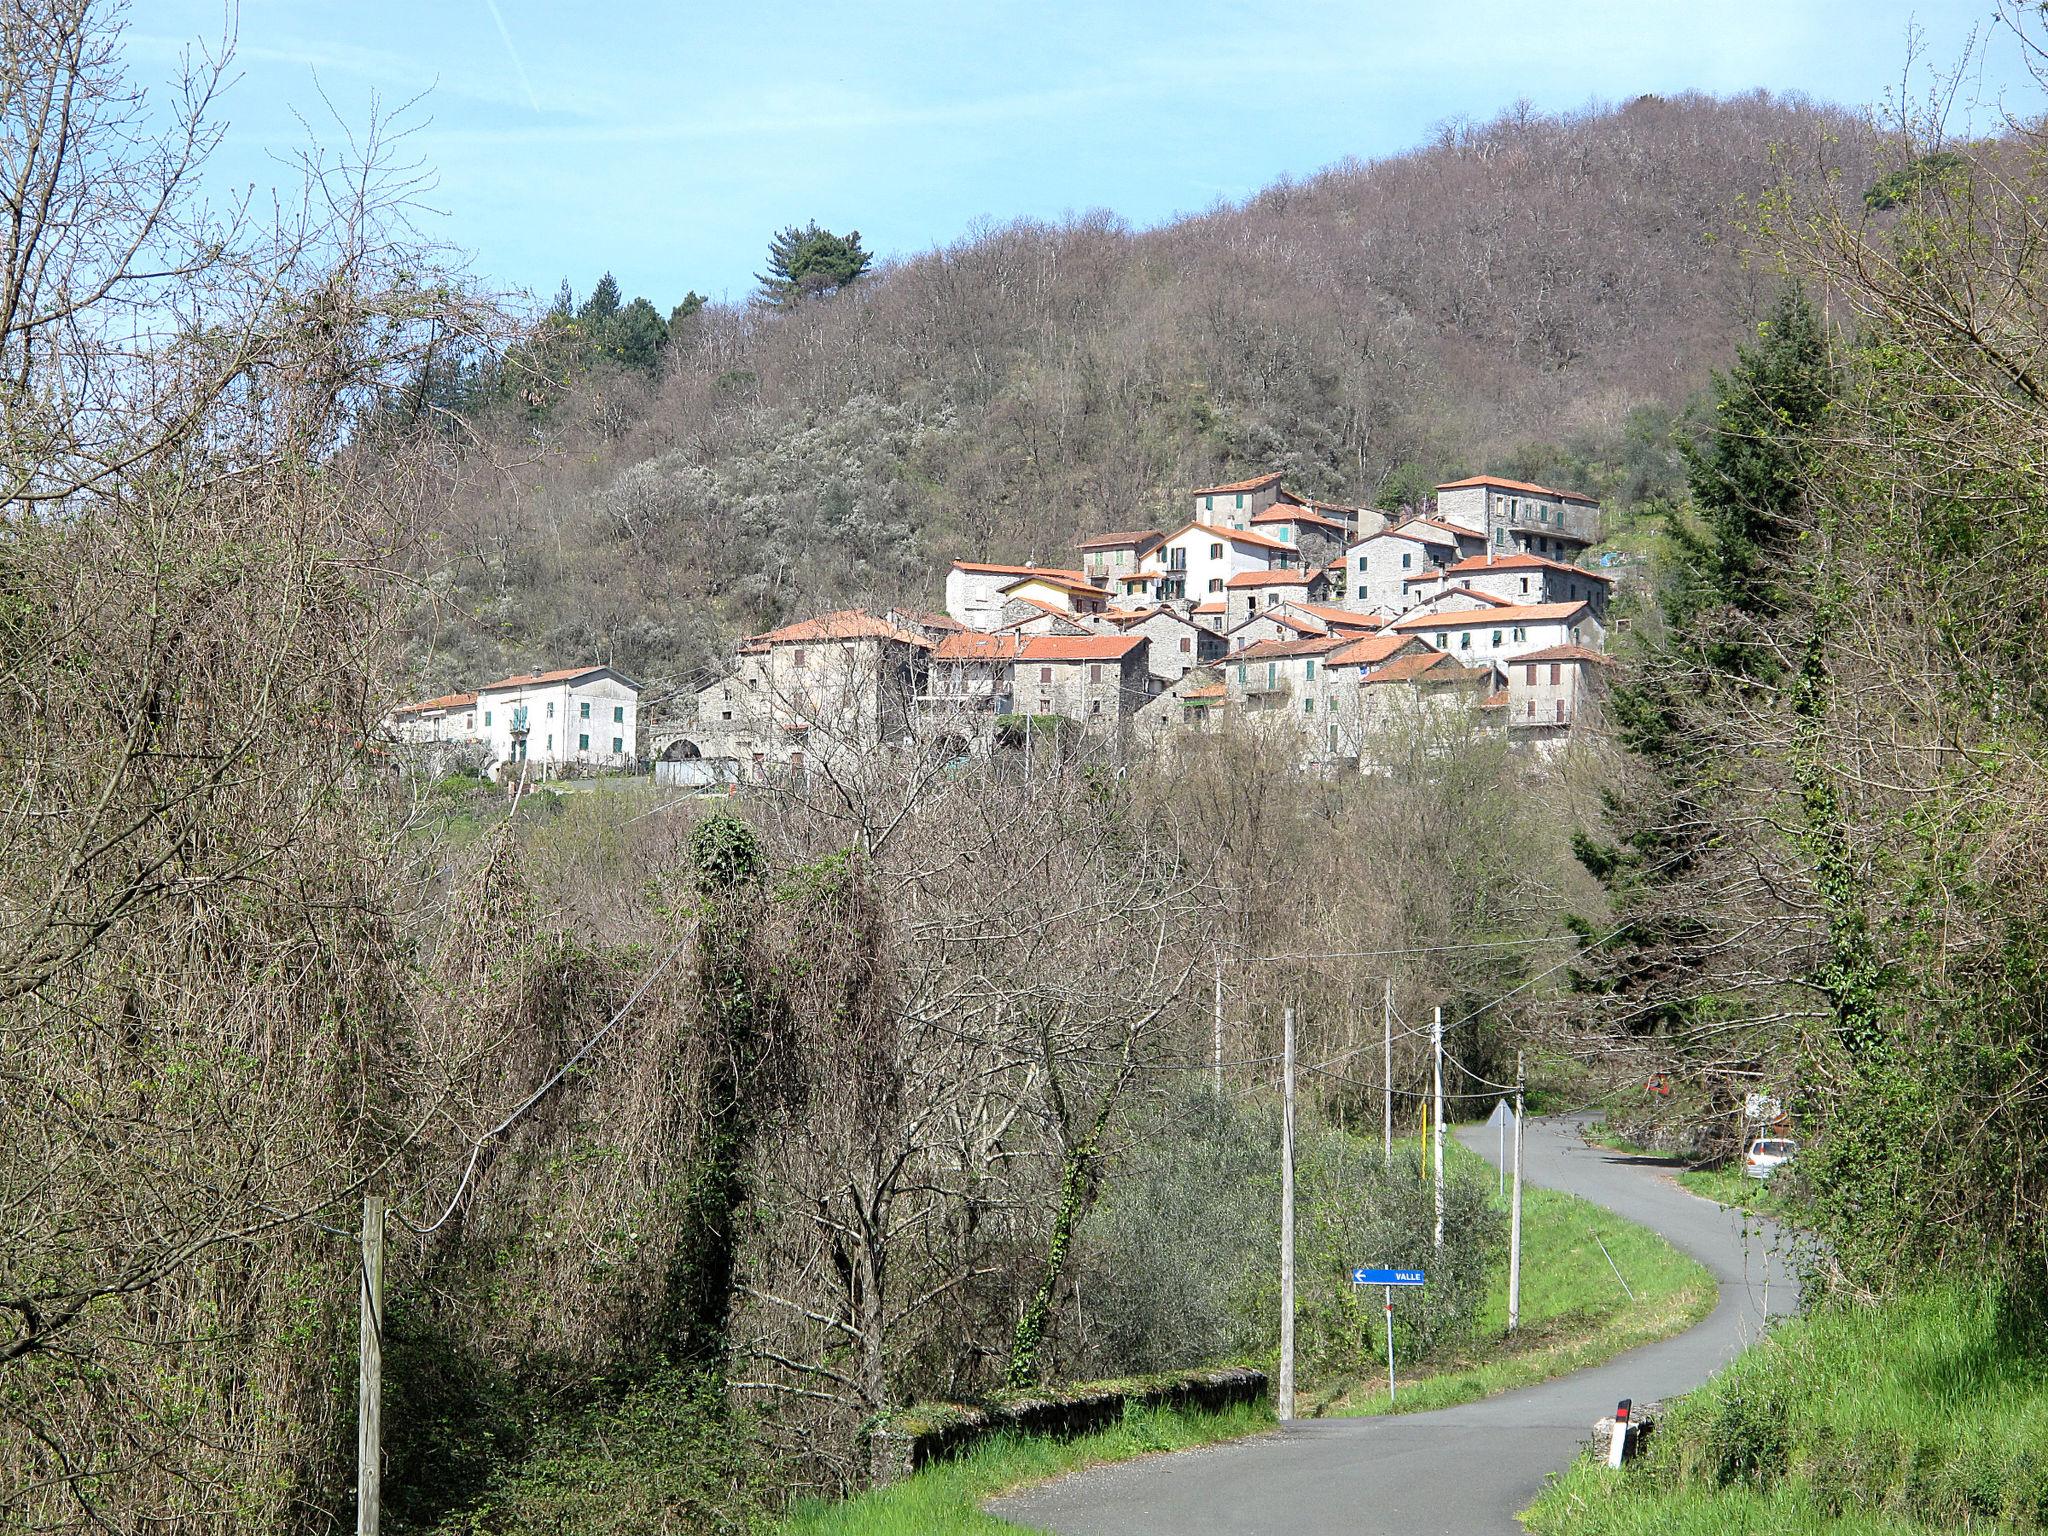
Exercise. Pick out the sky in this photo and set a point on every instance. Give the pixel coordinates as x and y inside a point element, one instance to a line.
<point>665,140</point>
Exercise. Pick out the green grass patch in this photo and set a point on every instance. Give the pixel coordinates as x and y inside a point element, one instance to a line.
<point>946,1499</point>
<point>1575,1312</point>
<point>1727,1186</point>
<point>1927,1413</point>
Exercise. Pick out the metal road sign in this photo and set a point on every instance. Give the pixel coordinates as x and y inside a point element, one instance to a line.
<point>1386,1277</point>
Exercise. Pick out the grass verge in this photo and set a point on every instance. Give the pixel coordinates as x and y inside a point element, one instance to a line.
<point>1928,1413</point>
<point>1727,1186</point>
<point>1575,1311</point>
<point>945,1500</point>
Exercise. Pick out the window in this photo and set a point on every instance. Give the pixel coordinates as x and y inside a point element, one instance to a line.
<point>1361,565</point>
<point>487,717</point>
<point>618,714</point>
<point>1311,672</point>
<point>796,761</point>
<point>1045,674</point>
<point>1272,673</point>
<point>1553,674</point>
<point>1443,641</point>
<point>1560,710</point>
<point>618,746</point>
<point>1532,709</point>
<point>585,708</point>
<point>1242,669</point>
<point>1407,559</point>
<point>1208,503</point>
<point>1095,706</point>
<point>1215,583</point>
<point>582,743</point>
<point>1094,671</point>
<point>1519,634</point>
<point>1308,706</point>
<point>1215,551</point>
<point>1525,584</point>
<point>1500,535</point>
<point>1044,705</point>
<point>1530,674</point>
<point>1496,639</point>
<point>796,658</point>
<point>1254,602</point>
<point>725,715</point>
<point>551,709</point>
<point>1464,639</point>
<point>1333,735</point>
<point>1240,498</point>
<point>551,741</point>
<point>1186,645</point>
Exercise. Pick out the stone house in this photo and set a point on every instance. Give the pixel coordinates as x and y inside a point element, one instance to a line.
<point>1250,592</point>
<point>1319,538</point>
<point>1383,569</point>
<point>1555,693</point>
<point>1524,578</point>
<point>1175,643</point>
<point>1236,504</point>
<point>1110,556</point>
<point>447,721</point>
<point>1513,516</point>
<point>974,589</point>
<point>1196,561</point>
<point>1096,680</point>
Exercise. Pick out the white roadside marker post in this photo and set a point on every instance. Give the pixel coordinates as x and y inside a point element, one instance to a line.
<point>1619,1443</point>
<point>1390,1345</point>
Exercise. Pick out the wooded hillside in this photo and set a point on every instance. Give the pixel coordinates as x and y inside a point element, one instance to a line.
<point>1538,295</point>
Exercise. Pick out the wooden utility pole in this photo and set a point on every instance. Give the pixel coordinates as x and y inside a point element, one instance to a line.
<point>1283,1406</point>
<point>1436,1036</point>
<point>1515,1214</point>
<point>370,1372</point>
<point>1387,1070</point>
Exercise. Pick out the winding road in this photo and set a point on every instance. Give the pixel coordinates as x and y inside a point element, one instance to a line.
<point>1459,1470</point>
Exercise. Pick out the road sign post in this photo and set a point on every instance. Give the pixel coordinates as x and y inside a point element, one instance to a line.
<point>1388,1279</point>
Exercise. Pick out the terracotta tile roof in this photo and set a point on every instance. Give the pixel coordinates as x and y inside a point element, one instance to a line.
<point>1512,613</point>
<point>1498,483</point>
<point>1336,618</point>
<point>1434,573</point>
<point>1485,599</point>
<point>1234,535</point>
<point>1118,540</point>
<point>1474,564</point>
<point>1238,485</point>
<point>985,568</point>
<point>842,624</point>
<point>1455,530</point>
<point>1210,605</point>
<point>1299,626</point>
<point>1079,588</point>
<point>970,646</point>
<point>1495,700</point>
<point>445,701</point>
<point>1405,669</point>
<point>534,679</point>
<point>924,619</point>
<point>1567,652</point>
<point>1283,513</point>
<point>1276,650</point>
<point>1287,577</point>
<point>1371,650</point>
<point>1209,691</point>
<point>1415,531</point>
<point>1078,647</point>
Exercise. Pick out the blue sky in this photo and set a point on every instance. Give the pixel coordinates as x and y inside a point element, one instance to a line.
<point>665,141</point>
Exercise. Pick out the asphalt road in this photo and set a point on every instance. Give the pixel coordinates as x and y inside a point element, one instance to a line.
<point>1459,1470</point>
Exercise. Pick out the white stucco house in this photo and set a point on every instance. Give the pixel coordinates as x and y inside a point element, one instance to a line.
<point>577,717</point>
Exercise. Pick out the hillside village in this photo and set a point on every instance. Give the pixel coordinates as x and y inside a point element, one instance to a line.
<point>1324,624</point>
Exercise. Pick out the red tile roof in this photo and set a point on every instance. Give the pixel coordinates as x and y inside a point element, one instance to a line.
<point>445,701</point>
<point>1498,483</point>
<point>1058,583</point>
<point>1283,513</point>
<point>1487,599</point>
<point>984,568</point>
<point>1118,540</point>
<point>1286,577</point>
<point>1512,613</point>
<point>1275,650</point>
<point>927,620</point>
<point>1336,618</point>
<point>842,624</point>
<point>1234,535</point>
<point>971,646</point>
<point>1208,691</point>
<point>1210,605</point>
<point>1495,700</point>
<point>1078,647</point>
<point>1239,485</point>
<point>1567,652</point>
<point>1473,564</point>
<point>1434,573</point>
<point>531,679</point>
<point>1371,650</point>
<point>1455,530</point>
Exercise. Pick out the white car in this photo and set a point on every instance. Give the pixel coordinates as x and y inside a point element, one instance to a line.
<point>1766,1155</point>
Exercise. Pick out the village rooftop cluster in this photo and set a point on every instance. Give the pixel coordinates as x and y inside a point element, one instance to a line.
<point>1321,623</point>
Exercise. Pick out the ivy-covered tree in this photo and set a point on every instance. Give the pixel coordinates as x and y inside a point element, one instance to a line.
<point>811,262</point>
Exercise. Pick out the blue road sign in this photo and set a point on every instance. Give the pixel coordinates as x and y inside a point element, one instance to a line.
<point>1386,1277</point>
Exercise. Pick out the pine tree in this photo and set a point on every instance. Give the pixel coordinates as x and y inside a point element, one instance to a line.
<point>811,262</point>
<point>603,302</point>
